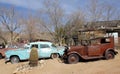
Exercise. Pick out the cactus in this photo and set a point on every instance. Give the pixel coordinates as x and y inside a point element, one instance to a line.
<point>33,60</point>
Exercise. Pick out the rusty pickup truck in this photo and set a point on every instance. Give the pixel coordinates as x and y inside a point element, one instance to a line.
<point>102,47</point>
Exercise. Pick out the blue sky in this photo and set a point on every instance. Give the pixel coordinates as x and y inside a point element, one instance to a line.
<point>35,5</point>
<point>68,5</point>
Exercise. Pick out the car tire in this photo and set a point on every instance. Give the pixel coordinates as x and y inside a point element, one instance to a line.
<point>54,55</point>
<point>14,59</point>
<point>0,56</point>
<point>73,58</point>
<point>109,55</point>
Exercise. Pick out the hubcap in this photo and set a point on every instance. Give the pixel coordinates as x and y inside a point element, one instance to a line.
<point>72,59</point>
<point>54,55</point>
<point>110,56</point>
<point>14,60</point>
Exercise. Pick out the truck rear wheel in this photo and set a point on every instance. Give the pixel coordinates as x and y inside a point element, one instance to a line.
<point>109,55</point>
<point>73,58</point>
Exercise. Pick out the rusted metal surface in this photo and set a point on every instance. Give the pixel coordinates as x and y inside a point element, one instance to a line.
<point>2,51</point>
<point>96,48</point>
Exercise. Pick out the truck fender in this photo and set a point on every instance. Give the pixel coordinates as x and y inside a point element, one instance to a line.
<point>110,49</point>
<point>74,53</point>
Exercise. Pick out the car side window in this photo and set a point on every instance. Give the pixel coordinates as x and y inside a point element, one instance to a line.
<point>34,45</point>
<point>44,46</point>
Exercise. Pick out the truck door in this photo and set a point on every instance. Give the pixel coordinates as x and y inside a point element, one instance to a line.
<point>94,48</point>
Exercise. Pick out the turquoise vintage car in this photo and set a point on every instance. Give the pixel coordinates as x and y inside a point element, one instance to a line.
<point>45,50</point>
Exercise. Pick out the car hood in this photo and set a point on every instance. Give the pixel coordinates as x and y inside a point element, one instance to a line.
<point>60,47</point>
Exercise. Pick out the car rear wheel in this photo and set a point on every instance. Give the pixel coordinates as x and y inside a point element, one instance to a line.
<point>109,55</point>
<point>73,58</point>
<point>54,55</point>
<point>14,59</point>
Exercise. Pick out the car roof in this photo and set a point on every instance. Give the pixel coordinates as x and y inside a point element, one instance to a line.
<point>40,42</point>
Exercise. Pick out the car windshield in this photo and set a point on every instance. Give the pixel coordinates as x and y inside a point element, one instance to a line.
<point>26,46</point>
<point>53,45</point>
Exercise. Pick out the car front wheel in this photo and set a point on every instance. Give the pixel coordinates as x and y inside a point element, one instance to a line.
<point>54,55</point>
<point>14,59</point>
<point>73,58</point>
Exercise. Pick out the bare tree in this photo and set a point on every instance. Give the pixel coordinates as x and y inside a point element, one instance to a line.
<point>54,12</point>
<point>77,19</point>
<point>117,16</point>
<point>109,12</point>
<point>42,26</point>
<point>2,36</point>
<point>75,23</point>
<point>9,22</point>
<point>55,15</point>
<point>35,28</point>
<point>95,11</point>
<point>100,11</point>
<point>30,27</point>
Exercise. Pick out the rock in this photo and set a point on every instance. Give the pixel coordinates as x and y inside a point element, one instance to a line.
<point>42,61</point>
<point>25,68</point>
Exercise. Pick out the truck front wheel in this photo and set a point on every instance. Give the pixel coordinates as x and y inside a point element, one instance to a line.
<point>73,58</point>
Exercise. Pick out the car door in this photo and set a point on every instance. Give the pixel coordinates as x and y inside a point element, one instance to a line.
<point>94,49</point>
<point>44,51</point>
<point>29,50</point>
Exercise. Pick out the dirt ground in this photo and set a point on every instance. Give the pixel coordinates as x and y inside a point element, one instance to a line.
<point>57,67</point>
